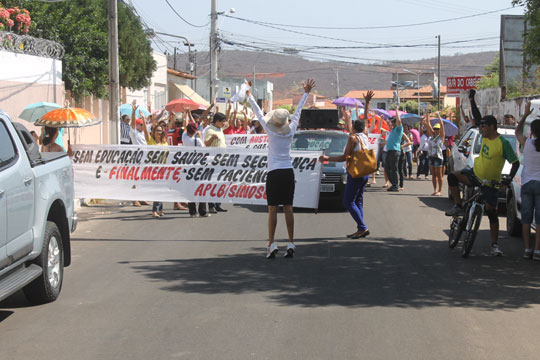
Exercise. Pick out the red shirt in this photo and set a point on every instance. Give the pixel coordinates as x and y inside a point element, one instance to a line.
<point>234,130</point>
<point>174,136</point>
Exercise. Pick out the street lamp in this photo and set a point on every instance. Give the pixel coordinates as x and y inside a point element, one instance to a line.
<point>417,87</point>
<point>151,33</point>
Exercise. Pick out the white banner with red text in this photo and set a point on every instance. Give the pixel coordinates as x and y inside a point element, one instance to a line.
<point>187,174</point>
<point>260,141</point>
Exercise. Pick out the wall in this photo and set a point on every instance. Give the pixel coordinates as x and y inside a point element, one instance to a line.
<point>157,92</point>
<point>488,101</point>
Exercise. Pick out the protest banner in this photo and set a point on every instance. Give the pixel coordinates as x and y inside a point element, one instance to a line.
<point>187,174</point>
<point>260,141</point>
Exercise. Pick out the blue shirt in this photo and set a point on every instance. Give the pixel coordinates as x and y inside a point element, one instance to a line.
<point>60,139</point>
<point>393,142</point>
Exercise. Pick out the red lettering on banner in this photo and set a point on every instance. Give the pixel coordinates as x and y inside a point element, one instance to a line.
<point>136,174</point>
<point>207,187</point>
<point>176,174</point>
<point>199,190</point>
<point>130,173</point>
<point>155,173</point>
<point>212,192</point>
<point>112,172</point>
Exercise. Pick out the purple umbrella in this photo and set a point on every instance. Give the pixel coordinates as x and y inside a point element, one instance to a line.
<point>347,101</point>
<point>381,112</point>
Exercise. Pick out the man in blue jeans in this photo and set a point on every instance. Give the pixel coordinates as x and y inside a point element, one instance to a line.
<point>393,151</point>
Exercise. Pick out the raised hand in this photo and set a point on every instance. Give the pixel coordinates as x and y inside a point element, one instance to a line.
<point>528,110</point>
<point>134,105</point>
<point>309,85</point>
<point>368,96</point>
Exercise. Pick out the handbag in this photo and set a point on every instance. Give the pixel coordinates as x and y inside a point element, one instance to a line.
<point>362,162</point>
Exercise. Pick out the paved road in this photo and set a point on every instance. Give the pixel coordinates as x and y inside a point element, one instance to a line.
<point>181,288</point>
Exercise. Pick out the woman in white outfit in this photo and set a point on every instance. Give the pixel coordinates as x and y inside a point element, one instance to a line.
<point>280,179</point>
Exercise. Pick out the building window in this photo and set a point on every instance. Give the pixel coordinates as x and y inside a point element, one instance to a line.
<point>159,97</point>
<point>381,105</point>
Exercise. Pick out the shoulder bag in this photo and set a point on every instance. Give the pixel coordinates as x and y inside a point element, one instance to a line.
<point>362,162</point>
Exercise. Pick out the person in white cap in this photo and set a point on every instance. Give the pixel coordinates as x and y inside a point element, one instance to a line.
<point>280,179</point>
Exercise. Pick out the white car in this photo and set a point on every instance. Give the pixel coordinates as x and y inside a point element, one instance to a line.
<point>468,148</point>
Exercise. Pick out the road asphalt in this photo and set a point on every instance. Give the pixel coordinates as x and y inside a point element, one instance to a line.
<point>183,288</point>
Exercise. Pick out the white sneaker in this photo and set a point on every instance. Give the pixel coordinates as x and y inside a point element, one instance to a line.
<point>271,251</point>
<point>496,250</point>
<point>290,250</point>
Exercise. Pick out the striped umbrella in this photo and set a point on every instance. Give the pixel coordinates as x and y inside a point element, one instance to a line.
<point>68,117</point>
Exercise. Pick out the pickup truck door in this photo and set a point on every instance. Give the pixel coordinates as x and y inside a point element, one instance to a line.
<point>8,158</point>
<point>18,185</point>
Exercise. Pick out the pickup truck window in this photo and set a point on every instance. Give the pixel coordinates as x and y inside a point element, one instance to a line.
<point>8,152</point>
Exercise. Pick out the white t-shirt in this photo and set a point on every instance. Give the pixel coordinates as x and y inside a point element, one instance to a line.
<point>279,146</point>
<point>531,163</point>
<point>365,142</point>
<point>191,141</point>
<point>137,137</point>
<point>424,143</point>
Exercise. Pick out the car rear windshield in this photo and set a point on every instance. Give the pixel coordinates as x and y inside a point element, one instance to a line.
<point>333,144</point>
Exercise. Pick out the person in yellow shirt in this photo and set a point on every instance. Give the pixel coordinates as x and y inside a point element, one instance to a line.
<point>214,137</point>
<point>495,150</point>
<point>158,137</point>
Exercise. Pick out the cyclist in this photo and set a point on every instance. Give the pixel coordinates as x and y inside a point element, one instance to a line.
<point>487,166</point>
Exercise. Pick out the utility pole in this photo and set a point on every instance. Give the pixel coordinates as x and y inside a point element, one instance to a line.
<point>439,73</point>
<point>174,61</point>
<point>114,124</point>
<point>213,49</point>
<point>337,81</point>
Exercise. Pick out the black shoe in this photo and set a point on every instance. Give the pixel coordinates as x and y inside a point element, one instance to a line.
<point>393,188</point>
<point>220,209</point>
<point>212,210</point>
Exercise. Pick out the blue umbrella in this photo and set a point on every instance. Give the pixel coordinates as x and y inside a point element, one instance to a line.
<point>410,119</point>
<point>34,111</point>
<point>348,102</point>
<point>450,129</point>
<point>127,109</point>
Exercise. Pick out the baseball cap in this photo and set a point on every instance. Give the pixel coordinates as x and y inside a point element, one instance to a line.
<point>488,120</point>
<point>436,126</point>
<point>139,122</point>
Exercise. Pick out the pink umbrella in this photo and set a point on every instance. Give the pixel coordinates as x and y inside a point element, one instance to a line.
<point>393,112</point>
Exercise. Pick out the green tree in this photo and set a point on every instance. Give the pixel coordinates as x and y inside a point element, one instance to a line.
<point>81,27</point>
<point>532,37</point>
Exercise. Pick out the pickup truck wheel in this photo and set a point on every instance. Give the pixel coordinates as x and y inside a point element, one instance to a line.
<point>513,225</point>
<point>46,287</point>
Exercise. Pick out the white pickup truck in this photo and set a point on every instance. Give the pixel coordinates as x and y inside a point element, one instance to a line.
<point>36,215</point>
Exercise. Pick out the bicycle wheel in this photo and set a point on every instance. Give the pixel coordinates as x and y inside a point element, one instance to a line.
<point>456,230</point>
<point>470,235</point>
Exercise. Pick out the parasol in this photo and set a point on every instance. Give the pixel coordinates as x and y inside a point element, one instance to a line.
<point>68,117</point>
<point>179,105</point>
<point>348,102</point>
<point>450,129</point>
<point>127,109</point>
<point>410,119</point>
<point>34,111</point>
<point>383,113</point>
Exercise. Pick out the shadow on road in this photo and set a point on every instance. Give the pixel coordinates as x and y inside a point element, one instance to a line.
<point>374,272</point>
<point>436,202</point>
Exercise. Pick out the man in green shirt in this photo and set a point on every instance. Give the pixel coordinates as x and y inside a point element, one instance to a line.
<point>495,150</point>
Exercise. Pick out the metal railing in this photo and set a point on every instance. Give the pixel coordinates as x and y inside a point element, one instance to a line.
<point>25,44</point>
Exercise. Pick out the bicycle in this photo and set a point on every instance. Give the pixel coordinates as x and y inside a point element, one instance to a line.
<point>469,222</point>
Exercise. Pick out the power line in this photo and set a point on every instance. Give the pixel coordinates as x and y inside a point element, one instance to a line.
<point>262,23</point>
<point>184,20</point>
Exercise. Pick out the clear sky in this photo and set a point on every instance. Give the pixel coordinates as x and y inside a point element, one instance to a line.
<point>471,34</point>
